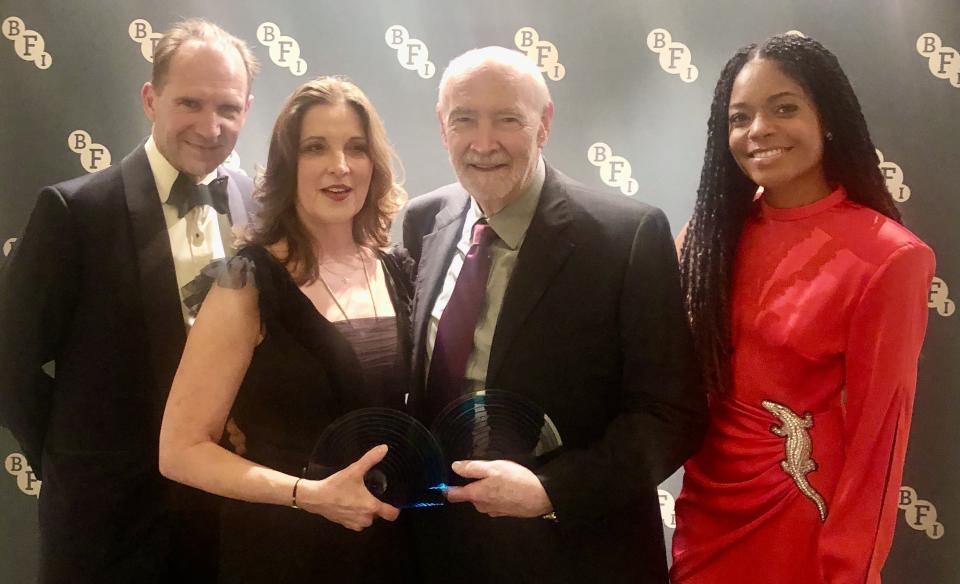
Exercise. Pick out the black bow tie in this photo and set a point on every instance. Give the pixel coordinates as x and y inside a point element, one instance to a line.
<point>184,195</point>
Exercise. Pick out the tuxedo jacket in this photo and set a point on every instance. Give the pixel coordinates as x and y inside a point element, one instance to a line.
<point>592,329</point>
<point>91,286</point>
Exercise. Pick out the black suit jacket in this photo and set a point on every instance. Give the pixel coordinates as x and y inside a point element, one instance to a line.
<point>592,329</point>
<point>91,286</point>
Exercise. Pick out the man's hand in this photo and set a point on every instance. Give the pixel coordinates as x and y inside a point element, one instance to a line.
<point>236,437</point>
<point>503,489</point>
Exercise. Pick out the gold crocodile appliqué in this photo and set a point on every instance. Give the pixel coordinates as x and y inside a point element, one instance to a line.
<point>798,447</point>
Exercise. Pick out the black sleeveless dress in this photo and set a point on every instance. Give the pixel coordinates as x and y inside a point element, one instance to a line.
<point>305,373</point>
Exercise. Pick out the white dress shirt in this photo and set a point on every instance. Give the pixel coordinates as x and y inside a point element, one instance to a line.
<point>510,225</point>
<point>195,239</point>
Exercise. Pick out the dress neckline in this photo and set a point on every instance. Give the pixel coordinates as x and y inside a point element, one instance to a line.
<point>366,323</point>
<point>838,195</point>
<point>290,281</point>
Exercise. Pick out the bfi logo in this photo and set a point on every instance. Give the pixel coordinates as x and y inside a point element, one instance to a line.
<point>142,33</point>
<point>284,50</point>
<point>667,505</point>
<point>28,44</point>
<point>27,481</point>
<point>943,62</point>
<point>412,54</point>
<point>615,171</point>
<point>675,58</point>
<point>919,514</point>
<point>543,53</point>
<point>938,298</point>
<point>893,175</point>
<point>8,246</point>
<point>93,157</point>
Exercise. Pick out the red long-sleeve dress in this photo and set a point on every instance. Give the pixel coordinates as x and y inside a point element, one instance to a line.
<point>798,477</point>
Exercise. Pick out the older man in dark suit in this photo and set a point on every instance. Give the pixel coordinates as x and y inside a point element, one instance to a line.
<point>532,283</point>
<point>93,289</point>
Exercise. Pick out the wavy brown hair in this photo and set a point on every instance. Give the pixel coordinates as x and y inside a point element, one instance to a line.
<point>725,196</point>
<point>277,219</point>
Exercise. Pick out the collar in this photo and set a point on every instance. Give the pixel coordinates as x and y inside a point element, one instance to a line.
<point>836,197</point>
<point>511,222</point>
<point>164,173</point>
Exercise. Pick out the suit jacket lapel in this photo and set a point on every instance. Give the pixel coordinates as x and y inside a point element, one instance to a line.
<point>166,333</point>
<point>240,207</point>
<point>240,203</point>
<point>435,255</point>
<point>544,250</point>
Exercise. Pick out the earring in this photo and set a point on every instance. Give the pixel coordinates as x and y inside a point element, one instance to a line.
<point>828,136</point>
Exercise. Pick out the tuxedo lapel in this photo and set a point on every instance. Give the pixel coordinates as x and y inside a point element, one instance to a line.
<point>240,203</point>
<point>157,276</point>
<point>238,213</point>
<point>436,252</point>
<point>544,250</point>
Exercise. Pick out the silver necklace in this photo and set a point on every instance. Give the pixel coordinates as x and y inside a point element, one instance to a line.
<point>366,278</point>
<point>345,278</point>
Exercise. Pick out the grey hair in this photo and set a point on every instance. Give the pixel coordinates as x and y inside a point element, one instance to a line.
<point>515,60</point>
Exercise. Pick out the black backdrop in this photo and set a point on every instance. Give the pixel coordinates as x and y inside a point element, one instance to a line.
<point>632,82</point>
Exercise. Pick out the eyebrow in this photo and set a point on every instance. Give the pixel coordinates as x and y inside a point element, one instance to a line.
<point>310,137</point>
<point>232,104</point>
<point>460,111</point>
<point>773,97</point>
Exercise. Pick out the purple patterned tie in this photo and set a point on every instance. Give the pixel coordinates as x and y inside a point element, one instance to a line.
<point>458,322</point>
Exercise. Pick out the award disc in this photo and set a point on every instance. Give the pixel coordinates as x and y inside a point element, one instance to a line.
<point>496,425</point>
<point>412,474</point>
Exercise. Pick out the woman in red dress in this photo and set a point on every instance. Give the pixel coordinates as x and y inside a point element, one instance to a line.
<point>808,307</point>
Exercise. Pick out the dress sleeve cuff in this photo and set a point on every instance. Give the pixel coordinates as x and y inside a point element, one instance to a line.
<point>233,273</point>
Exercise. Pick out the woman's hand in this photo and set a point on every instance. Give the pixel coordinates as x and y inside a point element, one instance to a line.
<point>344,499</point>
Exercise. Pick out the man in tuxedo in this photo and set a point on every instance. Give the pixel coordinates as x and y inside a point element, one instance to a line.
<point>532,283</point>
<point>94,324</point>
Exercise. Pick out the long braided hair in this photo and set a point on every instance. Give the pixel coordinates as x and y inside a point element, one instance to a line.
<point>725,195</point>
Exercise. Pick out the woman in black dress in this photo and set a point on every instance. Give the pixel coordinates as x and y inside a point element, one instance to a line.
<point>307,322</point>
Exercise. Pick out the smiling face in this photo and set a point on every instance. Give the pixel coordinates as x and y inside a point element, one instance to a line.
<point>333,166</point>
<point>493,126</point>
<point>198,112</point>
<point>775,133</point>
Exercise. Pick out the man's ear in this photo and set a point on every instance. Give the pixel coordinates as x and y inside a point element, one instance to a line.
<point>545,121</point>
<point>443,127</point>
<point>148,97</point>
